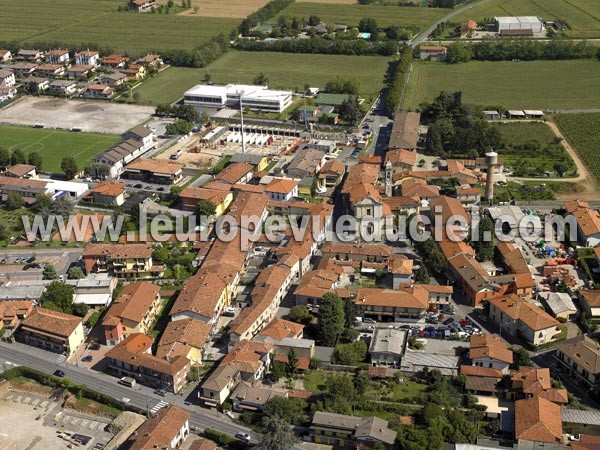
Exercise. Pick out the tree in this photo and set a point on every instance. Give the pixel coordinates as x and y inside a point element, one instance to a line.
<point>277,435</point>
<point>291,410</point>
<point>349,314</point>
<point>331,322</point>
<point>14,201</point>
<point>350,110</point>
<point>58,296</point>
<point>4,157</point>
<point>75,273</point>
<point>422,275</point>
<point>520,358</point>
<point>69,167</point>
<point>300,314</point>
<point>80,309</point>
<point>313,20</point>
<point>3,232</point>
<point>292,364</point>
<point>61,207</point>
<point>560,168</point>
<point>17,157</point>
<point>340,386</point>
<point>351,354</point>
<point>34,159</point>
<point>205,208</point>
<point>361,382</point>
<point>136,95</point>
<point>49,272</point>
<point>484,248</point>
<point>261,79</point>
<point>278,370</point>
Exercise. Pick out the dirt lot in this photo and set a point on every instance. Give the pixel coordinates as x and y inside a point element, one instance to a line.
<point>229,9</point>
<point>90,116</point>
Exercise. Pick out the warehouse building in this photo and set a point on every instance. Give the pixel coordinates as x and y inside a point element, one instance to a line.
<point>258,98</point>
<point>532,23</point>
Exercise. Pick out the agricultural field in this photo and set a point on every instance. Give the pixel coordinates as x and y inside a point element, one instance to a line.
<point>403,16</point>
<point>169,85</point>
<point>524,85</point>
<point>515,133</point>
<point>581,130</point>
<point>53,145</point>
<point>581,16</point>
<point>232,9</point>
<point>100,23</point>
<point>293,71</point>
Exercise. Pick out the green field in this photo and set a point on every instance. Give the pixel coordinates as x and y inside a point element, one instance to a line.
<point>284,70</point>
<point>351,14</point>
<point>53,145</point>
<point>74,22</point>
<point>581,16</point>
<point>521,133</point>
<point>525,84</point>
<point>581,130</point>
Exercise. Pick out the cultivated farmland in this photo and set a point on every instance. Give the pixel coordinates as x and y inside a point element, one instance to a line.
<point>99,23</point>
<point>581,130</point>
<point>53,145</point>
<point>403,16</point>
<point>526,84</point>
<point>236,9</point>
<point>582,16</point>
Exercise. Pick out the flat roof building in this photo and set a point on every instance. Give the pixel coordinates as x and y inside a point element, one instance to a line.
<point>259,98</point>
<point>532,23</point>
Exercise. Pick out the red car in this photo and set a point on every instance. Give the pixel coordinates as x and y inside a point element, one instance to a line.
<point>464,322</point>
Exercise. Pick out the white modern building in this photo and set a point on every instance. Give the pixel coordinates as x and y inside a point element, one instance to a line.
<point>259,98</point>
<point>532,23</point>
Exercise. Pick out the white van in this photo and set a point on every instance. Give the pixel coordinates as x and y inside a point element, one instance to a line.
<point>127,381</point>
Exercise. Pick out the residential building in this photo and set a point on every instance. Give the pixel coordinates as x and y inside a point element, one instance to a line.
<point>87,58</point>
<point>584,425</point>
<point>26,188</point>
<point>490,351</point>
<point>588,222</point>
<point>468,195</point>
<point>62,88</point>
<point>133,358</point>
<point>405,131</point>
<point>559,304</point>
<point>80,72</point>
<point>219,385</point>
<point>167,429</point>
<point>524,319</point>
<point>135,72</point>
<point>23,69</point>
<point>400,159</point>
<point>142,5</point>
<point>416,362</point>
<point>127,261</point>
<point>133,311</point>
<point>7,78</point>
<point>260,162</point>
<point>432,52</point>
<point>7,93</point>
<point>114,61</point>
<point>13,312</point>
<point>191,196</point>
<point>57,56</point>
<point>50,70</point>
<point>580,356</point>
<point>29,55</point>
<point>25,171</point>
<point>135,142</point>
<point>528,382</point>
<point>468,28</point>
<point>108,193</point>
<point>537,419</point>
<point>282,189</point>
<point>409,303</point>
<point>154,171</point>
<point>315,284</point>
<point>259,98</point>
<point>306,163</point>
<point>350,432</point>
<point>331,173</point>
<point>35,85</point>
<point>52,330</point>
<point>101,91</point>
<point>590,303</point>
<point>388,346</point>
<point>236,173</point>
<point>185,337</point>
<point>95,290</point>
<point>246,397</point>
<point>481,380</point>
<point>5,55</point>
<point>279,329</point>
<point>113,79</point>
<point>150,61</point>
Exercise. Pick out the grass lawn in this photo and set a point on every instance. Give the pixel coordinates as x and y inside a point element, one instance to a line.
<point>581,130</point>
<point>525,84</point>
<point>408,390</point>
<point>314,381</point>
<point>169,85</point>
<point>350,15</point>
<point>98,23</point>
<point>293,71</point>
<point>53,145</point>
<point>521,133</point>
<point>581,16</point>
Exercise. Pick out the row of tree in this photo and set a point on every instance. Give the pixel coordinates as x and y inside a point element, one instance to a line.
<point>396,78</point>
<point>201,55</point>
<point>522,49</point>
<point>267,12</point>
<point>17,156</point>
<point>185,112</point>
<point>321,46</point>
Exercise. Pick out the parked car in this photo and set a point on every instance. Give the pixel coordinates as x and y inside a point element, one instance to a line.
<point>59,373</point>
<point>160,392</point>
<point>243,436</point>
<point>464,321</point>
<point>448,321</point>
<point>87,358</point>
<point>368,320</point>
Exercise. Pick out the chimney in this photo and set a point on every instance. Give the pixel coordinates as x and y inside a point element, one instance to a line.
<point>491,161</point>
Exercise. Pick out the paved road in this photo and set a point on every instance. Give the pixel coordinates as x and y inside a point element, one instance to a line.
<point>425,35</point>
<point>69,256</point>
<point>140,396</point>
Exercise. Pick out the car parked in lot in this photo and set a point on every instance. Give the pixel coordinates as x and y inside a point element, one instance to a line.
<point>368,320</point>
<point>448,321</point>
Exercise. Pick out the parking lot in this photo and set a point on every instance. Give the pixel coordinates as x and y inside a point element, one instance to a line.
<point>89,116</point>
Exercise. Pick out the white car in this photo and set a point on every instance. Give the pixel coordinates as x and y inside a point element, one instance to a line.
<point>243,436</point>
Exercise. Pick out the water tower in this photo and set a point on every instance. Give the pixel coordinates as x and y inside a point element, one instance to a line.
<point>491,161</point>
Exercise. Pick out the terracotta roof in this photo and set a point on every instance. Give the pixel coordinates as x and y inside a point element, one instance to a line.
<point>433,48</point>
<point>202,444</point>
<point>52,322</point>
<point>405,130</point>
<point>591,297</point>
<point>113,189</point>
<point>476,371</point>
<point>357,249</point>
<point>118,251</point>
<point>583,350</point>
<point>159,431</point>
<point>155,166</point>
<point>247,356</point>
<point>400,265</point>
<point>234,172</point>
<point>467,191</point>
<point>447,207</point>
<point>532,380</point>
<point>420,188</point>
<point>133,303</point>
<point>401,156</point>
<point>360,175</point>
<point>303,362</point>
<point>24,183</point>
<point>212,195</point>
<point>181,335</point>
<point>537,419</point>
<point>281,186</point>
<point>587,218</point>
<point>528,313</point>
<point>560,396</point>
<point>482,384</point>
<point>201,294</point>
<point>19,170</point>
<point>280,329</point>
<point>489,346</point>
<point>410,297</point>
<point>333,166</point>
